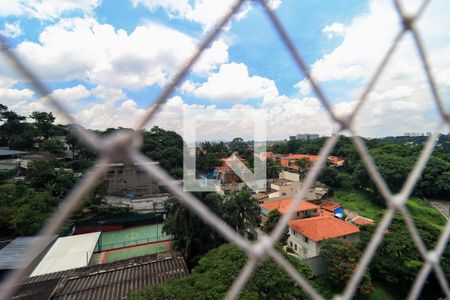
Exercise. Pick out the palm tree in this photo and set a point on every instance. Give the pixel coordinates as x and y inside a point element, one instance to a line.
<point>241,212</point>
<point>273,169</point>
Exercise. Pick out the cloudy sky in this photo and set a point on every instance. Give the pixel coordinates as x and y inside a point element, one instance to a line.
<point>107,61</point>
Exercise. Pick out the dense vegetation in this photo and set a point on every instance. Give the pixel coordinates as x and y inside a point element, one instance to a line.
<point>25,205</point>
<point>193,238</point>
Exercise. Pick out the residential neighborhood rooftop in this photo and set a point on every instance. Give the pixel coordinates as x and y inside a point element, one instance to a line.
<point>283,205</point>
<point>330,205</point>
<point>359,220</point>
<point>323,227</point>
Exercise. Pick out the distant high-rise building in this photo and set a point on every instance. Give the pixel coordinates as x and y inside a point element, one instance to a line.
<point>292,138</point>
<point>304,137</point>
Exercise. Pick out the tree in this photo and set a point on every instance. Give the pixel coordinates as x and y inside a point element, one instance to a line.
<point>33,210</point>
<point>273,168</point>
<point>238,145</point>
<point>12,125</point>
<point>52,146</point>
<point>216,272</point>
<point>39,173</point>
<point>342,258</point>
<point>273,218</point>
<point>192,237</point>
<point>43,122</point>
<point>241,212</point>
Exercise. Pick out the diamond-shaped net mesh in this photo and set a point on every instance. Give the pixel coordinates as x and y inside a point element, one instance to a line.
<point>126,146</point>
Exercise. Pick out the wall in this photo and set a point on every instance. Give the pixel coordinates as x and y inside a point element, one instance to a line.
<point>128,178</point>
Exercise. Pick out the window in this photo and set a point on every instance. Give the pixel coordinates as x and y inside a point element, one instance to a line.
<point>290,243</point>
<point>306,239</point>
<point>283,194</point>
<point>295,245</point>
<point>298,213</point>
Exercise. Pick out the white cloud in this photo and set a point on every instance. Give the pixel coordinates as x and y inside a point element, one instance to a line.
<point>71,94</point>
<point>11,30</point>
<point>205,12</point>
<point>232,83</point>
<point>83,49</point>
<point>304,87</point>
<point>334,29</point>
<point>46,9</point>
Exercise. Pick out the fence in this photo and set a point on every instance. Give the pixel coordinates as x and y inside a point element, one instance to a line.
<point>126,145</point>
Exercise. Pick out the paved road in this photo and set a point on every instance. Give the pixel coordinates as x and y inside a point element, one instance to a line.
<point>442,206</point>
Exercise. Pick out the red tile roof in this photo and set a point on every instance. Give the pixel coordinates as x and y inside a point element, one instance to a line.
<point>362,221</point>
<point>330,205</point>
<point>231,158</point>
<point>323,227</point>
<point>299,156</point>
<point>283,205</point>
<point>222,168</point>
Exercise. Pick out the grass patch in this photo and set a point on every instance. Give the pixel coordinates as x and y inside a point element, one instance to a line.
<point>379,293</point>
<point>423,210</point>
<point>358,202</point>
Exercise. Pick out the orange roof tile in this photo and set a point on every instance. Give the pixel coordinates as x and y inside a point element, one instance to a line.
<point>222,168</point>
<point>330,205</point>
<point>323,227</point>
<point>362,221</point>
<point>299,156</point>
<point>283,205</point>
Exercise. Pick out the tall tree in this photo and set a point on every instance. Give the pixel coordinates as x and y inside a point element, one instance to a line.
<point>241,212</point>
<point>191,236</point>
<point>342,258</point>
<point>43,122</point>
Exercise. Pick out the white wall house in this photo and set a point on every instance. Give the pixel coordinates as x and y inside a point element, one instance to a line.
<point>306,236</point>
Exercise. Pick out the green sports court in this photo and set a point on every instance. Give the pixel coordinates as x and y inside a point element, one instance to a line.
<point>135,251</point>
<point>131,236</point>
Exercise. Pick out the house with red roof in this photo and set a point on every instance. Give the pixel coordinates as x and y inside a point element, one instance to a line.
<point>304,210</point>
<point>224,172</point>
<point>290,161</point>
<point>359,221</point>
<point>306,236</point>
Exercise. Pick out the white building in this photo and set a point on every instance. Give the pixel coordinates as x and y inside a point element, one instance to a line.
<point>306,236</point>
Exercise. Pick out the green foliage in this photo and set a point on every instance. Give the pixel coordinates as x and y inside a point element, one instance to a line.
<point>52,146</point>
<point>192,237</point>
<point>360,202</point>
<point>215,273</point>
<point>33,210</point>
<point>241,212</point>
<point>43,122</point>
<point>39,173</point>
<point>272,220</point>
<point>165,147</point>
<point>273,168</point>
<point>342,258</point>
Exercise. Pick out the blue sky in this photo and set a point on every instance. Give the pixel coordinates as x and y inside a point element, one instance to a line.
<point>107,61</point>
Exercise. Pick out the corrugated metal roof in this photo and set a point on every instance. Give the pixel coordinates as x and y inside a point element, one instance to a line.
<point>116,284</point>
<point>12,255</point>
<point>4,152</point>
<point>108,281</point>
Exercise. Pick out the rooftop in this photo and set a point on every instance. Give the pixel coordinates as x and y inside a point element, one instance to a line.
<point>283,205</point>
<point>13,254</point>
<point>109,281</point>
<point>68,253</point>
<point>323,227</point>
<point>358,220</point>
<point>330,205</point>
<point>5,152</point>
<point>300,156</point>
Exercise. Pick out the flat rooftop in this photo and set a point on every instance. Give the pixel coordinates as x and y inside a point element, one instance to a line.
<point>68,253</point>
